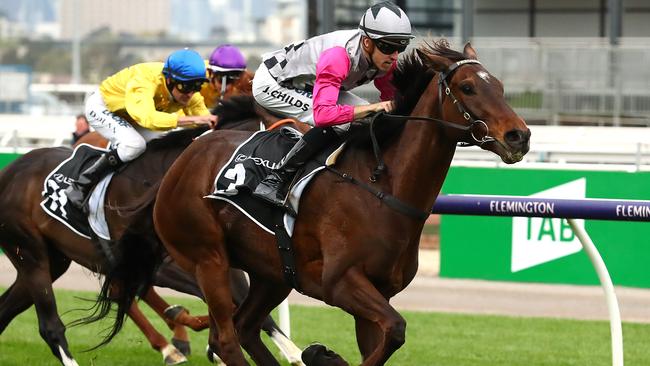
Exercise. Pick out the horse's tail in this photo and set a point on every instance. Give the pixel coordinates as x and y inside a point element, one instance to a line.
<point>139,253</point>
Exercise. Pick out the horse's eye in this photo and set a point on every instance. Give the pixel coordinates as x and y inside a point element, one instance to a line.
<point>467,89</point>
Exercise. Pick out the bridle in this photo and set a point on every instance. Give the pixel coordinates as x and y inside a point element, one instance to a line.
<point>390,200</point>
<point>442,84</point>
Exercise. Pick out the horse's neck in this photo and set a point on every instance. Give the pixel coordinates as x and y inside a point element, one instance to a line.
<point>153,165</point>
<point>421,157</point>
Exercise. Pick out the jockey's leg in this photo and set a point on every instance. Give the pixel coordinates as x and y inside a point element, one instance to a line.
<point>274,187</point>
<point>78,191</point>
<point>128,144</point>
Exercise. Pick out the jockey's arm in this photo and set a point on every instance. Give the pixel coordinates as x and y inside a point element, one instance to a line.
<point>139,103</point>
<point>190,121</point>
<point>386,94</point>
<point>196,113</point>
<point>361,111</point>
<point>332,68</point>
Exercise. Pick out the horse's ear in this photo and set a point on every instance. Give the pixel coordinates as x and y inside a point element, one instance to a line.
<point>435,62</point>
<point>470,52</point>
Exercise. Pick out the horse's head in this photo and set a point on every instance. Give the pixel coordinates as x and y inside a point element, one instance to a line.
<point>242,85</point>
<point>469,95</point>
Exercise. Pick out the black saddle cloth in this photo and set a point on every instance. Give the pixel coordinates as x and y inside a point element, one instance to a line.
<point>55,202</point>
<point>251,162</point>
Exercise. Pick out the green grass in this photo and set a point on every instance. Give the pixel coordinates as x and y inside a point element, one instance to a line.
<point>432,339</point>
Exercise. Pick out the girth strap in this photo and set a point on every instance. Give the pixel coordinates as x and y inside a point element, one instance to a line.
<point>286,252</point>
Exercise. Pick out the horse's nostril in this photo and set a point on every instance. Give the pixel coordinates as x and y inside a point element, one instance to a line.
<point>517,138</point>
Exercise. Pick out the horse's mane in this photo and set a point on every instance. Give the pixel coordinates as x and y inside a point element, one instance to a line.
<point>410,78</point>
<point>234,110</point>
<point>173,139</point>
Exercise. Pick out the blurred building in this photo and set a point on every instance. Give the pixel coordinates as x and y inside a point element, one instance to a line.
<point>191,20</point>
<point>560,18</point>
<point>33,18</point>
<point>467,19</point>
<point>286,24</point>
<point>81,17</point>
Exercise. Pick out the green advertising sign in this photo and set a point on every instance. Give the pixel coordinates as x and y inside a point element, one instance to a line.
<point>5,159</point>
<point>544,249</point>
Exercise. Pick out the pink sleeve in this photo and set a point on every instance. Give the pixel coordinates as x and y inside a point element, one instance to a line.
<point>332,68</point>
<point>385,86</point>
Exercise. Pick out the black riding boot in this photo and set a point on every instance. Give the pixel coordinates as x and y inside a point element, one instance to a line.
<point>79,190</point>
<point>274,187</point>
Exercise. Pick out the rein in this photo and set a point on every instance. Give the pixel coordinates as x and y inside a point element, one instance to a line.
<point>390,200</point>
<point>280,123</point>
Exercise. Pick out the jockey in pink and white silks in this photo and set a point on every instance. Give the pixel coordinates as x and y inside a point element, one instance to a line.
<point>135,101</point>
<point>311,81</point>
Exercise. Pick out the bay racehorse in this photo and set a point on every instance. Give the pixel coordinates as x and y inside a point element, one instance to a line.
<point>233,117</point>
<point>236,112</point>
<point>41,248</point>
<point>355,238</point>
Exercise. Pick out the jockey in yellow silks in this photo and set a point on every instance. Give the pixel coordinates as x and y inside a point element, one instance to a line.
<point>145,97</point>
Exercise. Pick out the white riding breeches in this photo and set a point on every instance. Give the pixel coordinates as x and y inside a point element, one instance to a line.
<point>292,102</point>
<point>129,141</point>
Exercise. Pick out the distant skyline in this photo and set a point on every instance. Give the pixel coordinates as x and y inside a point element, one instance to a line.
<point>31,11</point>
<point>191,20</point>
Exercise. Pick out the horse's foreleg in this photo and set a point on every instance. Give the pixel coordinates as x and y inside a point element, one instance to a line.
<point>171,355</point>
<point>262,298</point>
<point>180,338</point>
<point>381,330</point>
<point>212,276</point>
<point>240,289</point>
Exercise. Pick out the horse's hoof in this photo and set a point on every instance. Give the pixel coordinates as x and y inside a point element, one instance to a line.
<point>172,356</point>
<point>212,356</point>
<point>183,346</point>
<point>319,355</point>
<point>173,311</point>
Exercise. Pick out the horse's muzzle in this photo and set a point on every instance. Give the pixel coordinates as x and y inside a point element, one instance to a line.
<point>518,140</point>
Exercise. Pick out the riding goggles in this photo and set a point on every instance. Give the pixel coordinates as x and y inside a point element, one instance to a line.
<point>388,47</point>
<point>229,76</point>
<point>190,86</point>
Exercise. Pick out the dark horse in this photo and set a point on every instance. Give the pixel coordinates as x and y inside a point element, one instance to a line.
<point>41,248</point>
<point>352,249</point>
<point>236,112</point>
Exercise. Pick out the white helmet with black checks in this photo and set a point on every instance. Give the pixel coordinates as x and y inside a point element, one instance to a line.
<point>385,20</point>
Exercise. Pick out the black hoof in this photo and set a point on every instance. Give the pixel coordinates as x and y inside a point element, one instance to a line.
<point>183,346</point>
<point>319,355</point>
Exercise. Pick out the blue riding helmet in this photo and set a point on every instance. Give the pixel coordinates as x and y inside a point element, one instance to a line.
<point>185,65</point>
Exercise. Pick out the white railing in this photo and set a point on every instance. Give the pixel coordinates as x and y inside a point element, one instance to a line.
<point>21,133</point>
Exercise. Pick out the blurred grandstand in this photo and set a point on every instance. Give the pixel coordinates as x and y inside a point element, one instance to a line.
<point>576,70</point>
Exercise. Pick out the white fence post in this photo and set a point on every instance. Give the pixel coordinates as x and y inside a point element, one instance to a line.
<point>608,287</point>
<point>285,317</point>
